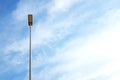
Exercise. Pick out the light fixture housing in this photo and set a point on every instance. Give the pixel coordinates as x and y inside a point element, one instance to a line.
<point>30,19</point>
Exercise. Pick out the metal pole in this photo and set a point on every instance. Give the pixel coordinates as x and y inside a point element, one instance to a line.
<point>30,47</point>
<point>30,58</point>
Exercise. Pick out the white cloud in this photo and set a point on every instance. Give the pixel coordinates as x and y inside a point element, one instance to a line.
<point>62,5</point>
<point>47,31</point>
<point>25,7</point>
<point>76,56</point>
<point>116,77</point>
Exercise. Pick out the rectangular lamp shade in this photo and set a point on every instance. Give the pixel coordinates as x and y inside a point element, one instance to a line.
<point>30,19</point>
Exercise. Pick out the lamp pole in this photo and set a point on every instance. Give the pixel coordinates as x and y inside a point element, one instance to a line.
<point>30,46</point>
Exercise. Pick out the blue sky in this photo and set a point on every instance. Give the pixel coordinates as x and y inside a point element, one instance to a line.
<point>71,39</point>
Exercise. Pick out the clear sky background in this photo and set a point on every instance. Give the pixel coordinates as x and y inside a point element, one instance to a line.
<point>71,39</point>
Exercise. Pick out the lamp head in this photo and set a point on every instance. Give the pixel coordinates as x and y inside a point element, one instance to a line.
<point>30,19</point>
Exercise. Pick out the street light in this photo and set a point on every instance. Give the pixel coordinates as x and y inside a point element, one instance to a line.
<point>30,22</point>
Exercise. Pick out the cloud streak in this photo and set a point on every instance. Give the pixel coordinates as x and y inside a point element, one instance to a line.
<point>69,44</point>
<point>99,51</point>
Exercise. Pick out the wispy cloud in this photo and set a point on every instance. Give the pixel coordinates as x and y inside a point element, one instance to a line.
<point>62,5</point>
<point>99,51</point>
<point>47,29</point>
<point>85,50</point>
